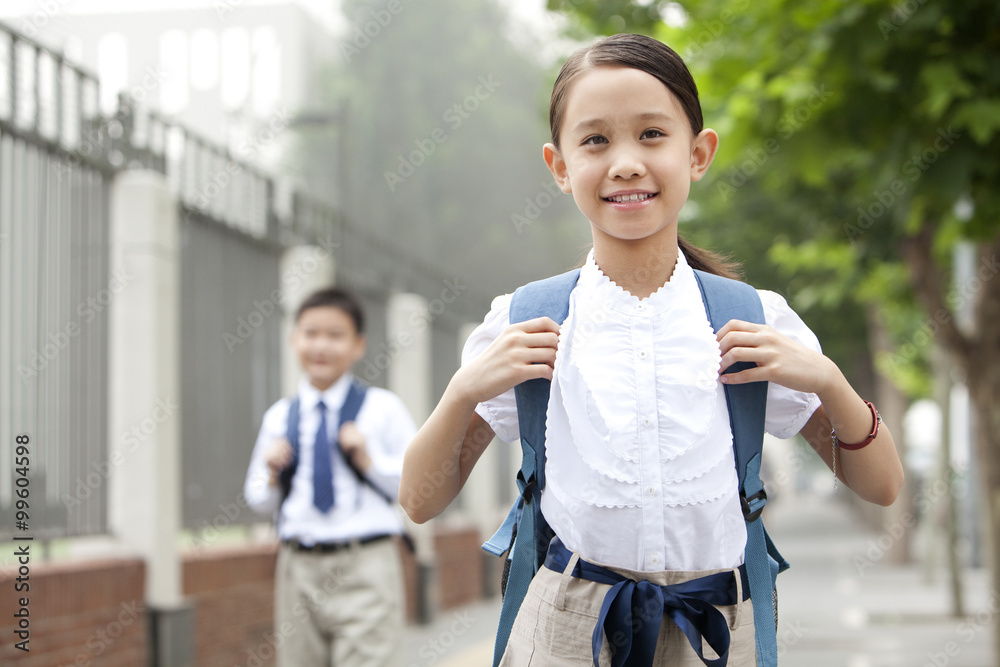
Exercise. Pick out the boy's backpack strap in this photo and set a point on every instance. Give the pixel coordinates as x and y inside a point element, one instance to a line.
<point>525,530</point>
<point>726,300</point>
<point>348,412</point>
<point>292,436</point>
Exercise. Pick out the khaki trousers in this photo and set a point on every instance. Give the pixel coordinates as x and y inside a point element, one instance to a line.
<point>341,609</point>
<point>557,617</point>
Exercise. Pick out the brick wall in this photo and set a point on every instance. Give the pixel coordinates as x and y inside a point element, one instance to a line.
<point>82,614</point>
<point>232,592</point>
<point>459,567</point>
<point>233,595</point>
<point>90,614</point>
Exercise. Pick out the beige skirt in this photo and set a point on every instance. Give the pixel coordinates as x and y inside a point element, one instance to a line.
<point>556,621</point>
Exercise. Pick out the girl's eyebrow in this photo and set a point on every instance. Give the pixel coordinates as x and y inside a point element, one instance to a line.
<point>588,124</point>
<point>657,116</point>
<point>649,116</point>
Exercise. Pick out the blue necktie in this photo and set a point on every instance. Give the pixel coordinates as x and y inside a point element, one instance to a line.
<point>322,467</point>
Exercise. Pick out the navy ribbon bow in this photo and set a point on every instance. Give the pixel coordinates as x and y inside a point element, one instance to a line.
<point>633,610</point>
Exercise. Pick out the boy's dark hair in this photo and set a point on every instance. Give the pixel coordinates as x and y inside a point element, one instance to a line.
<point>335,297</point>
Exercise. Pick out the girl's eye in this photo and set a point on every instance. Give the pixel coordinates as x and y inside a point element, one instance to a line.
<point>596,139</point>
<point>652,134</point>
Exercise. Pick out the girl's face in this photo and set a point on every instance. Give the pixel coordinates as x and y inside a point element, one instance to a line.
<point>628,155</point>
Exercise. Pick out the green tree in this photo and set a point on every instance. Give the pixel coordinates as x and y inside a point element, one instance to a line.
<point>871,126</point>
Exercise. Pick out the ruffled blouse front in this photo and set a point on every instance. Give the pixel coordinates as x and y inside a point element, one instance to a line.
<point>640,471</point>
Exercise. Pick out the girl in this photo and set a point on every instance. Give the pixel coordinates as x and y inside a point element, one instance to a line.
<point>639,474</point>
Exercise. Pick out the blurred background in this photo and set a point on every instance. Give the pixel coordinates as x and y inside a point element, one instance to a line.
<point>175,176</point>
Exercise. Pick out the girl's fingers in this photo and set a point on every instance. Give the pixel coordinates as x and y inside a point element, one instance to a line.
<point>735,339</point>
<point>757,355</point>
<point>756,374</point>
<point>538,325</point>
<point>737,325</point>
<point>541,340</point>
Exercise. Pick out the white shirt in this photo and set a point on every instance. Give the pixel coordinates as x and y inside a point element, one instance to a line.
<point>358,511</point>
<point>640,469</point>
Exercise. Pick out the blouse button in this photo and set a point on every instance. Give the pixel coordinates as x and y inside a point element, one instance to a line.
<point>640,306</point>
<point>642,354</point>
<point>651,490</point>
<point>645,422</point>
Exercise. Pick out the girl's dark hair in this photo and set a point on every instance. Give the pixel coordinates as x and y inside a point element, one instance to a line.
<point>335,297</point>
<point>656,59</point>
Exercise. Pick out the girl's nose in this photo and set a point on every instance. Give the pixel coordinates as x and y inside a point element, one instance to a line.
<point>626,164</point>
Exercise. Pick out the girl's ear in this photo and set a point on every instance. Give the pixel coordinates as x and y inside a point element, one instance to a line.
<point>703,150</point>
<point>555,163</point>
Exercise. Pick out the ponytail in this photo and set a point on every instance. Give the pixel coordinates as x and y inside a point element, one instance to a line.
<point>710,262</point>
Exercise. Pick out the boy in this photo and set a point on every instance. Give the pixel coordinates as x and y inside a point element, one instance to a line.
<point>339,592</point>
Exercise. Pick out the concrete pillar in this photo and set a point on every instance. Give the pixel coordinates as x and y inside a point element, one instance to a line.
<point>408,372</point>
<point>145,501</point>
<point>481,494</point>
<point>481,497</point>
<point>409,339</point>
<point>304,269</point>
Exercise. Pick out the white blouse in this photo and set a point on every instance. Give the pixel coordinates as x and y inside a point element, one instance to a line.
<point>640,471</point>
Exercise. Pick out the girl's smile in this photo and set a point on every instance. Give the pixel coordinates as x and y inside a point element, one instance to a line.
<point>630,200</point>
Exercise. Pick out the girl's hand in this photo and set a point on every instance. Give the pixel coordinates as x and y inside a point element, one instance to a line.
<point>779,358</point>
<point>524,351</point>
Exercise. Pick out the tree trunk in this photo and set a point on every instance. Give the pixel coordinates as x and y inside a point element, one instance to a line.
<point>949,524</point>
<point>892,406</point>
<point>978,350</point>
<point>984,386</point>
<point>983,367</point>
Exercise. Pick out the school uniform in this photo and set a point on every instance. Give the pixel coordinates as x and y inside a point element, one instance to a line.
<point>339,588</point>
<point>640,474</point>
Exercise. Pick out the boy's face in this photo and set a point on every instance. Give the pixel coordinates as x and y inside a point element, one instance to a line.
<point>327,344</point>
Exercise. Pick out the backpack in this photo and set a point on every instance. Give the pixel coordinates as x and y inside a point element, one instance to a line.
<point>348,412</point>
<point>525,535</point>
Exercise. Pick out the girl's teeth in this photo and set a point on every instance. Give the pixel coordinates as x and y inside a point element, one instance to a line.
<point>630,198</point>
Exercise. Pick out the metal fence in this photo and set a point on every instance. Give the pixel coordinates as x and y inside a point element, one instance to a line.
<point>57,160</point>
<point>55,285</point>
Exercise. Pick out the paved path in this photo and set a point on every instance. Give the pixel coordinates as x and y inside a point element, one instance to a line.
<point>839,606</point>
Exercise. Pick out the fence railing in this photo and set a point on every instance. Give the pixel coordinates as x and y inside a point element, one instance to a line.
<point>55,285</point>
<point>58,158</point>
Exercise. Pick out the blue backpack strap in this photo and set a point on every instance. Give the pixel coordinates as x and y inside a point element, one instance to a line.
<point>348,413</point>
<point>292,435</point>
<point>352,402</point>
<point>726,300</point>
<point>525,530</point>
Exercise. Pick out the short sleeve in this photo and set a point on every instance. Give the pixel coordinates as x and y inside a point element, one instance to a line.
<point>499,412</point>
<point>787,410</point>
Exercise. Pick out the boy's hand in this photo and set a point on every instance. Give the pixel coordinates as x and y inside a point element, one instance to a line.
<point>352,443</point>
<point>278,456</point>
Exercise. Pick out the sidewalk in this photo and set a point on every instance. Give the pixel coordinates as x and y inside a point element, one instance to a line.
<point>839,605</point>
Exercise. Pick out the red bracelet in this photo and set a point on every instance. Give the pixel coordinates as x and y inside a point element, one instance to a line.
<point>876,420</point>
